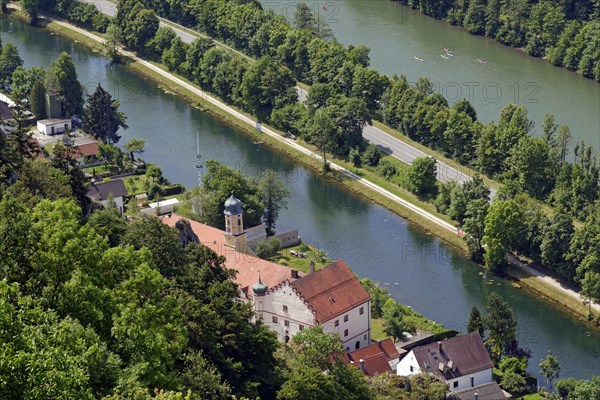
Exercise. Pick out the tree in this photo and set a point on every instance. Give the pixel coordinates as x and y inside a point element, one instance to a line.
<point>154,172</point>
<point>531,162</point>
<point>268,248</point>
<point>63,73</point>
<point>555,244</point>
<point>421,176</point>
<point>303,17</point>
<point>273,194</point>
<point>9,62</point>
<point>109,224</point>
<point>102,117</point>
<point>23,80</point>
<point>550,368</point>
<point>513,383</point>
<point>394,323</point>
<point>113,37</point>
<point>503,231</point>
<point>500,323</point>
<point>267,85</point>
<point>33,8</point>
<point>371,155</point>
<point>474,227</point>
<point>475,322</point>
<point>321,131</point>
<point>37,100</point>
<point>135,146</point>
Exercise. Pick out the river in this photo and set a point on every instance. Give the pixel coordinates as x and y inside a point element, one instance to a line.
<point>396,35</point>
<point>417,268</point>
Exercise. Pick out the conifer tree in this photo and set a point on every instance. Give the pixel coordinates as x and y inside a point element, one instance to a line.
<point>37,100</point>
<point>102,117</point>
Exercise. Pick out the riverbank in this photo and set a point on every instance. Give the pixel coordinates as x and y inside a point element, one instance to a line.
<point>290,148</point>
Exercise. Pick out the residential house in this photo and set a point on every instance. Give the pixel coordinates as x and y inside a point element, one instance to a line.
<point>101,193</point>
<point>286,300</point>
<point>462,362</point>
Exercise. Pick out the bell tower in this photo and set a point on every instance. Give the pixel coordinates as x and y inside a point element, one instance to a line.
<point>234,225</point>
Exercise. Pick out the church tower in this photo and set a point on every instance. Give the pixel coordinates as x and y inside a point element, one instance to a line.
<point>234,225</point>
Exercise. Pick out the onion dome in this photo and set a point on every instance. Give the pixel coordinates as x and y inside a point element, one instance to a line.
<point>259,288</point>
<point>233,206</point>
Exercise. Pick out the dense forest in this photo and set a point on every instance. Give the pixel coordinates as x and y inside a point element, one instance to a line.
<point>537,166</point>
<point>564,32</point>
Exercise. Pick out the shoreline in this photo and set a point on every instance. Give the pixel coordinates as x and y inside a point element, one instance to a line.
<point>537,287</point>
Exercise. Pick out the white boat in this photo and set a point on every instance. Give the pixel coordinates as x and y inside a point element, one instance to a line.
<point>418,59</point>
<point>482,61</point>
<point>447,50</point>
<point>443,56</point>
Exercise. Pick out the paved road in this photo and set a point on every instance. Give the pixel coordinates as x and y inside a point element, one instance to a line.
<point>385,142</point>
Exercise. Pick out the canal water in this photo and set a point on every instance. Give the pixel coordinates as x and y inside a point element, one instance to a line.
<point>418,269</point>
<point>396,35</point>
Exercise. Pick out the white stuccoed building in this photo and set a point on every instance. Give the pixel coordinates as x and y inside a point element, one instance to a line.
<point>331,297</point>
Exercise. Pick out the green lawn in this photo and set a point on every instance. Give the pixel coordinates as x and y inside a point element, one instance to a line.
<point>377,329</point>
<point>285,257</point>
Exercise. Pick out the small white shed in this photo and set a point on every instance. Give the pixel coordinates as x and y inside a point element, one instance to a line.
<point>53,126</point>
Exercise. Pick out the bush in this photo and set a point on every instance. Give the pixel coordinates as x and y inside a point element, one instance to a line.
<point>155,190</point>
<point>421,177</point>
<point>513,383</point>
<point>371,156</point>
<point>173,189</point>
<point>268,248</point>
<point>355,157</point>
<point>387,169</point>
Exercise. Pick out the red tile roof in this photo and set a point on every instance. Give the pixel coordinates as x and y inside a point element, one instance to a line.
<point>245,262</point>
<point>385,347</point>
<point>84,150</point>
<point>331,291</point>
<point>374,365</point>
<point>460,355</point>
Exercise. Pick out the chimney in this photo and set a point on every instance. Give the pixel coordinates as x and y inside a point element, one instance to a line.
<point>295,274</point>
<point>475,396</point>
<point>361,362</point>
<point>312,266</point>
<point>439,347</point>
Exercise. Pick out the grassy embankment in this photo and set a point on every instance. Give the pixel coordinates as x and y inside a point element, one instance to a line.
<point>536,285</point>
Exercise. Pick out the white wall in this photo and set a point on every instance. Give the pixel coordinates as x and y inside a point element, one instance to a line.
<point>297,312</point>
<point>464,382</point>
<point>403,367</point>
<point>58,127</point>
<point>358,327</point>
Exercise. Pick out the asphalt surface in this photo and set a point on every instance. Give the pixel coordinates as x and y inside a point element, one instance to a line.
<point>385,142</point>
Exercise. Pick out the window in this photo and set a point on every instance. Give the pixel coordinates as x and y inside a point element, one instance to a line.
<point>345,318</point>
<point>472,381</point>
<point>260,317</point>
<point>274,319</point>
<point>285,308</point>
<point>412,369</point>
<point>365,337</point>
<point>361,310</point>
<point>286,323</point>
<point>301,327</point>
<point>337,322</point>
<point>346,332</point>
<point>455,384</point>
